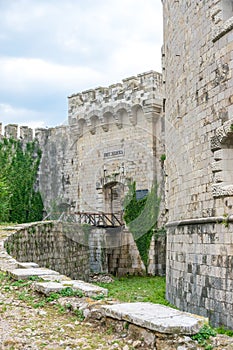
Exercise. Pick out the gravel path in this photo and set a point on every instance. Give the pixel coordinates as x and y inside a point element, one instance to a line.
<point>27,321</point>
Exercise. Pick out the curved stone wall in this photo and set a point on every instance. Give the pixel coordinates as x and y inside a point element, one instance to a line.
<point>197,66</point>
<point>77,251</point>
<point>199,265</point>
<point>54,245</point>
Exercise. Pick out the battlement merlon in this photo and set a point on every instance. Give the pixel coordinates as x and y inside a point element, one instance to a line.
<point>11,131</point>
<point>135,90</point>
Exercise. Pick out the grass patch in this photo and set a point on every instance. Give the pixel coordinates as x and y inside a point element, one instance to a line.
<point>138,288</point>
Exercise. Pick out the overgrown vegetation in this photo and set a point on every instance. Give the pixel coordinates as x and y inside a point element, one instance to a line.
<point>141,217</point>
<point>20,201</point>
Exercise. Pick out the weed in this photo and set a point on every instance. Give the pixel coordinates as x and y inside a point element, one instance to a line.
<point>163,157</point>
<point>78,293</point>
<point>20,283</point>
<point>225,221</point>
<point>68,306</point>
<point>35,278</point>
<point>98,297</point>
<point>24,296</point>
<point>61,309</point>
<point>7,288</point>
<point>205,333</point>
<point>110,330</point>
<point>52,297</point>
<point>79,314</point>
<point>39,304</point>
<point>4,308</point>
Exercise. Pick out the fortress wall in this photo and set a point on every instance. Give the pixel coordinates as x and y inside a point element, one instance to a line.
<point>198,62</point>
<point>59,164</point>
<point>199,270</point>
<point>53,245</point>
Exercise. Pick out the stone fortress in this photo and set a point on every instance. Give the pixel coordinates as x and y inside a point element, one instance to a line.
<point>86,164</point>
<point>113,136</point>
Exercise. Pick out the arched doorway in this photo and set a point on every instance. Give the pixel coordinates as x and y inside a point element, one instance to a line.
<point>114,198</point>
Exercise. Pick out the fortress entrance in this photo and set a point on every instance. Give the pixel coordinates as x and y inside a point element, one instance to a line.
<point>113,198</point>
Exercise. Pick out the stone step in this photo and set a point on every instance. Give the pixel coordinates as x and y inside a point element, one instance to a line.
<point>87,289</point>
<point>156,317</point>
<point>26,273</point>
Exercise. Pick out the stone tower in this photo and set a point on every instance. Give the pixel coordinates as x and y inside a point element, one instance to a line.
<point>197,72</point>
<point>114,134</point>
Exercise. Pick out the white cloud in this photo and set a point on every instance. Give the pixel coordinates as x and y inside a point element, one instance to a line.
<point>50,49</point>
<point>23,74</point>
<point>21,116</point>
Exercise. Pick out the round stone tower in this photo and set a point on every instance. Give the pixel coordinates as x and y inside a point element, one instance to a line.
<point>197,73</point>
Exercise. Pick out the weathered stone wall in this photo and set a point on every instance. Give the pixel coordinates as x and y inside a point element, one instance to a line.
<point>114,251</point>
<point>200,276</point>
<point>157,256</point>
<point>197,59</point>
<point>77,251</point>
<point>53,245</point>
<point>59,167</point>
<point>197,67</point>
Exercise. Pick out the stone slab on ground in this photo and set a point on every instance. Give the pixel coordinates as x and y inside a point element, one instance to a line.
<point>22,274</point>
<point>27,265</point>
<point>55,278</point>
<point>155,317</point>
<point>88,289</point>
<point>48,287</point>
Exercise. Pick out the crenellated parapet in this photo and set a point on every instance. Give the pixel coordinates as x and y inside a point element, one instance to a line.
<point>16,132</point>
<point>96,106</point>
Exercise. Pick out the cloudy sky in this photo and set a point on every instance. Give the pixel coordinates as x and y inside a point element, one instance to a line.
<point>50,49</point>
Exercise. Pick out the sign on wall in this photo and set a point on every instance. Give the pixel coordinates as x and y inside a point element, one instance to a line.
<point>115,153</point>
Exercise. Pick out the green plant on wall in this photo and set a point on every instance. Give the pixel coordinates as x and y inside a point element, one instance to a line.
<point>4,199</point>
<point>141,218</point>
<point>18,171</point>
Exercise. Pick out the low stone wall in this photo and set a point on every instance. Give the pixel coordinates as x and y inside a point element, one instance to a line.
<point>77,251</point>
<point>200,268</point>
<point>54,245</point>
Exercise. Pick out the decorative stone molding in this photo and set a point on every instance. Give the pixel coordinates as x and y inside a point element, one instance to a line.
<point>142,91</point>
<point>222,18</point>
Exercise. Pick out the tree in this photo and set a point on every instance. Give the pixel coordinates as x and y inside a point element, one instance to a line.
<point>4,200</point>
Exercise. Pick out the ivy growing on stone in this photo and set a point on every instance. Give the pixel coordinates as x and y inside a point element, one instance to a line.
<point>20,201</point>
<point>141,218</point>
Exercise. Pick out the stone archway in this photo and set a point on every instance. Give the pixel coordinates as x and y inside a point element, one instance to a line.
<point>113,198</point>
